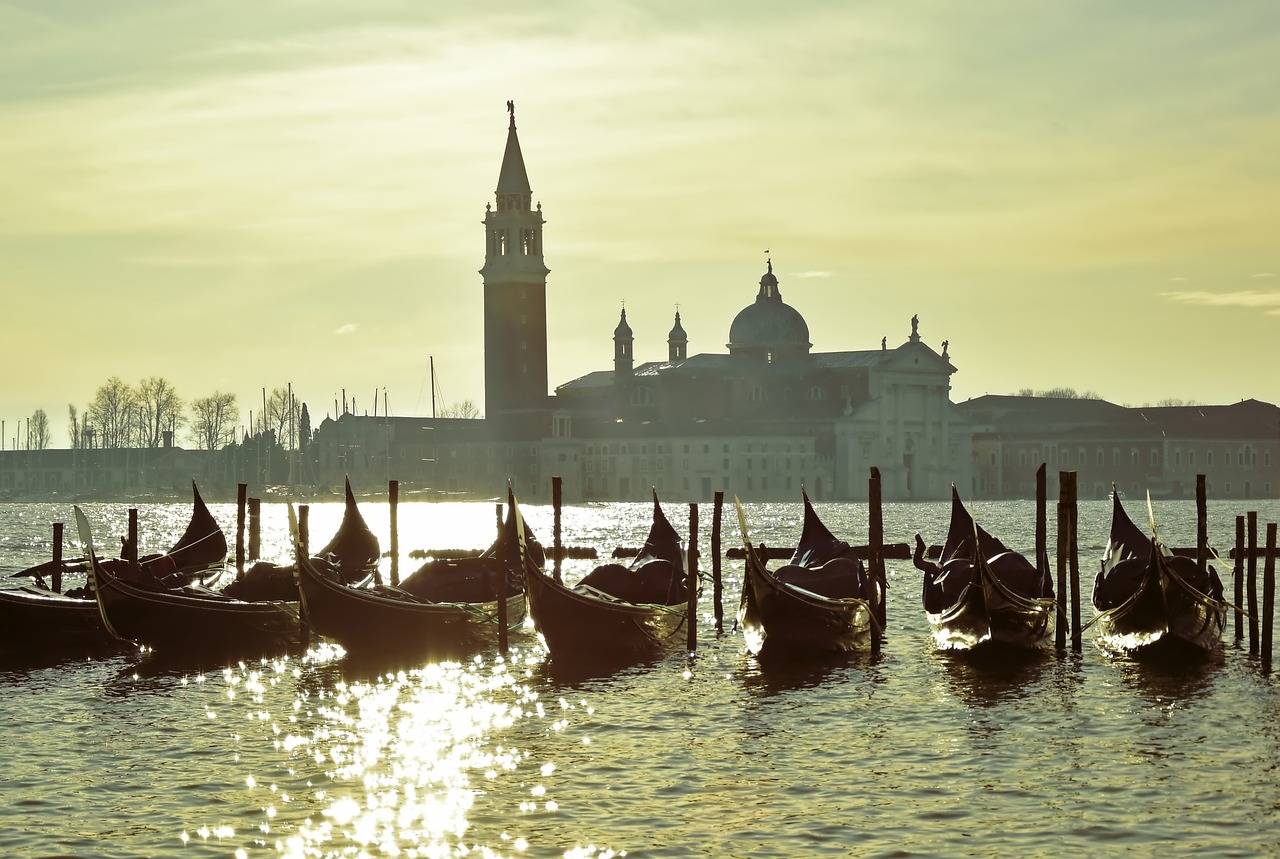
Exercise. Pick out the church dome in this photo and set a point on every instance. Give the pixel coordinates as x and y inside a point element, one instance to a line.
<point>769,328</point>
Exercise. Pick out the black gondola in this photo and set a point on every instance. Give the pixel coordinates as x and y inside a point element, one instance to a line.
<point>251,617</point>
<point>1149,600</point>
<point>615,612</point>
<point>446,608</point>
<point>981,594</point>
<point>35,617</point>
<point>821,601</point>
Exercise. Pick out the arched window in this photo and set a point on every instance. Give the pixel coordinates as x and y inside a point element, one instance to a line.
<point>758,395</point>
<point>814,393</point>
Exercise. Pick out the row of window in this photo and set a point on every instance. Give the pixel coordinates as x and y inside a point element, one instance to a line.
<point>660,448</point>
<point>1245,457</point>
<point>610,465</point>
<point>603,486</point>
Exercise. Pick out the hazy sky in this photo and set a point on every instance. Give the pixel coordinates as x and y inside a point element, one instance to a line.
<point>237,195</point>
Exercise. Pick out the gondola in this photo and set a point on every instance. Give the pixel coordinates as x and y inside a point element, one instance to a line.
<point>982,596</point>
<point>1150,601</point>
<point>184,620</point>
<point>447,608</point>
<point>254,616</point>
<point>615,612</point>
<point>351,557</point>
<point>821,601</point>
<point>37,617</point>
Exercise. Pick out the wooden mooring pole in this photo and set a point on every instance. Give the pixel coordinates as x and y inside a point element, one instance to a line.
<point>1202,525</point>
<point>255,529</point>
<point>1237,578</point>
<point>875,572</point>
<point>1068,560</point>
<point>1042,523</point>
<point>717,585</point>
<point>875,545</point>
<point>1268,595</point>
<point>1060,632</point>
<point>242,494</point>
<point>304,552</point>
<point>131,542</point>
<point>557,548</point>
<point>692,585</point>
<point>501,587</point>
<point>393,499</point>
<point>1252,518</point>
<point>56,576</point>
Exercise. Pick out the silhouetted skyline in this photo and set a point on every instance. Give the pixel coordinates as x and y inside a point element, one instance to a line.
<point>1072,197</point>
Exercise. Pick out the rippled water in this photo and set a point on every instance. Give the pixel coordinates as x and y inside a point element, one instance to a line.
<point>912,753</point>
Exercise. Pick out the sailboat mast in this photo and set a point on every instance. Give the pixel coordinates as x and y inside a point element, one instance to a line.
<point>433,387</point>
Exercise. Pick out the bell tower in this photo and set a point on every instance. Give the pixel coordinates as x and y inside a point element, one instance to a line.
<point>515,291</point>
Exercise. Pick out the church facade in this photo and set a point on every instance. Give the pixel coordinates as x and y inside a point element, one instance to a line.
<point>758,422</point>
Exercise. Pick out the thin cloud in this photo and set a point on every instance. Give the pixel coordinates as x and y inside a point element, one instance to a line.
<point>1262,274</point>
<point>812,274</point>
<point>349,328</point>
<point>1268,302</point>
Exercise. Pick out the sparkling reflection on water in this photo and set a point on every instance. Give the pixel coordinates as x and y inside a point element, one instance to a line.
<point>912,753</point>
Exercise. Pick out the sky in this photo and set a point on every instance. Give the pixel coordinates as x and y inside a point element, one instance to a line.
<point>246,194</point>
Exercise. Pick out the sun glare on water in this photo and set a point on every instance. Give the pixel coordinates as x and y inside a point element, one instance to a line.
<point>390,764</point>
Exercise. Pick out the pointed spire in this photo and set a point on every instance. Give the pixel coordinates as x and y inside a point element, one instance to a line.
<point>623,330</point>
<point>513,179</point>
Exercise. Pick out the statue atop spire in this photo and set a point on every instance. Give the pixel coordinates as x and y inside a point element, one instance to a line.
<point>511,109</point>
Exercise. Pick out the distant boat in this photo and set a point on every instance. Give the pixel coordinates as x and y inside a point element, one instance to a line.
<point>1150,600</point>
<point>982,595</point>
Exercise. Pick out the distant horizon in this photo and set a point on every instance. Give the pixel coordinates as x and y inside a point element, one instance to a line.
<point>234,197</point>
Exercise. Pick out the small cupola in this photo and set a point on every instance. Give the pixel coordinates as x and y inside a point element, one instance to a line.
<point>677,342</point>
<point>623,358</point>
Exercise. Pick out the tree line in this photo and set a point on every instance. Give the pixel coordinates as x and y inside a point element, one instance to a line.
<point>121,415</point>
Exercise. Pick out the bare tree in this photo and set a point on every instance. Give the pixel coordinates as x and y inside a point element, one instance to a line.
<point>214,420</point>
<point>160,409</point>
<point>38,433</point>
<point>1060,394</point>
<point>73,418</point>
<point>461,409</point>
<point>113,413</point>
<point>283,416</point>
